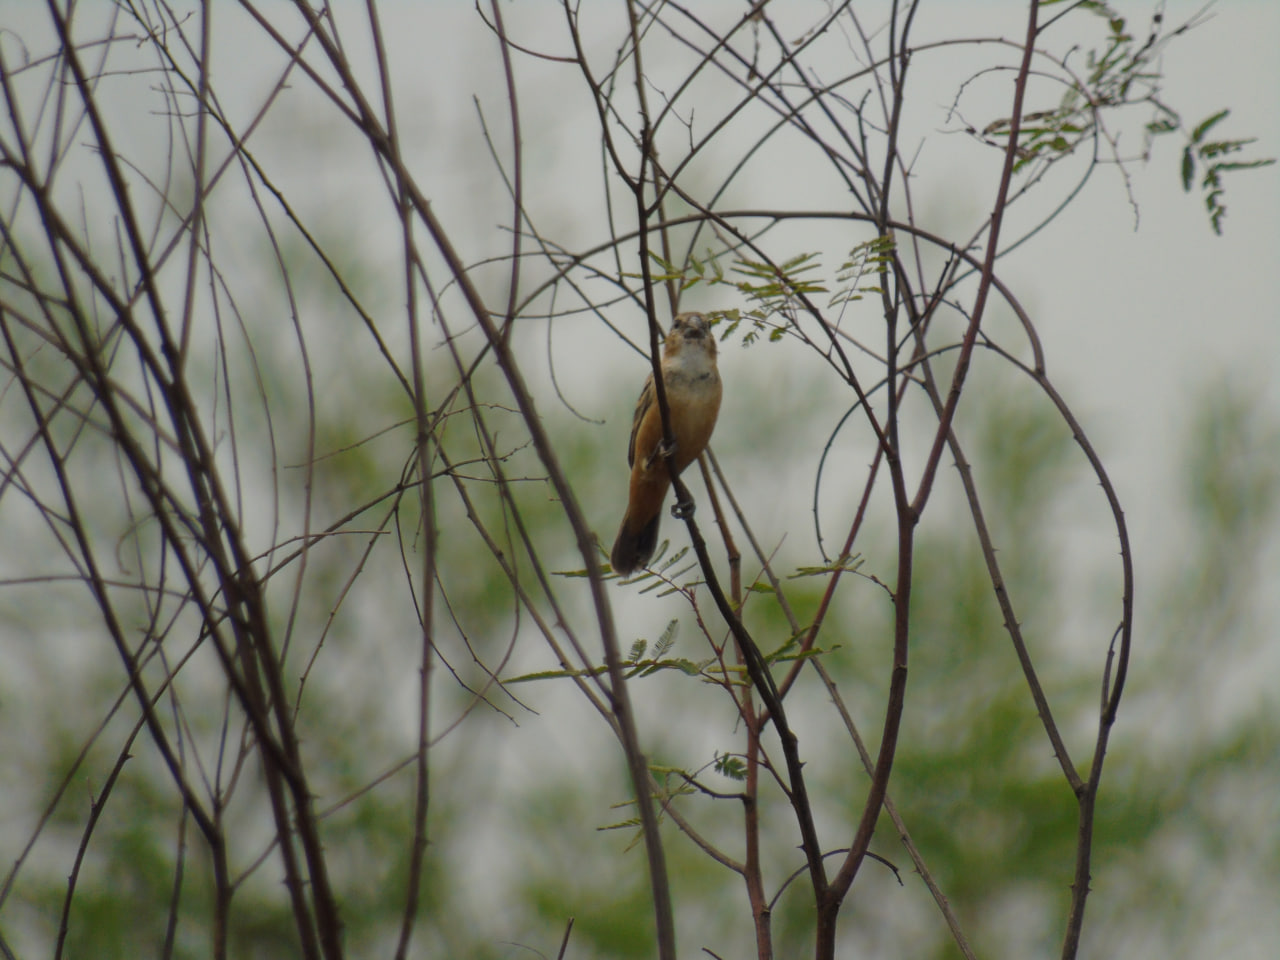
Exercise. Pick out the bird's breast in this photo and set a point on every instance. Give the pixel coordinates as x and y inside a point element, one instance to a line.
<point>694,398</point>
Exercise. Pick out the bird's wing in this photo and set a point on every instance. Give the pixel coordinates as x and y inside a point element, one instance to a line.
<point>642,407</point>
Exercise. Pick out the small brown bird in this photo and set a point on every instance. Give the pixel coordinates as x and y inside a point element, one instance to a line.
<point>693,389</point>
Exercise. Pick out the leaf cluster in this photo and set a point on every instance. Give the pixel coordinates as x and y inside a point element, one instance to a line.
<point>781,290</point>
<point>1123,72</point>
<point>1208,155</point>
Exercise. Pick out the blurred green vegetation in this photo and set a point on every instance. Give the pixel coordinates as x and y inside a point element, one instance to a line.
<point>520,794</point>
<point>517,851</point>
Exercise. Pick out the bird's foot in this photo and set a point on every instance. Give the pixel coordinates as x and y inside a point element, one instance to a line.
<point>661,452</point>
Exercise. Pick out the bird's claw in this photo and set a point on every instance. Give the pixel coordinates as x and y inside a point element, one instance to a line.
<point>661,452</point>
<point>682,509</point>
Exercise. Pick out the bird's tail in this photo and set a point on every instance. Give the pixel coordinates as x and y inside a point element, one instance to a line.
<point>633,548</point>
